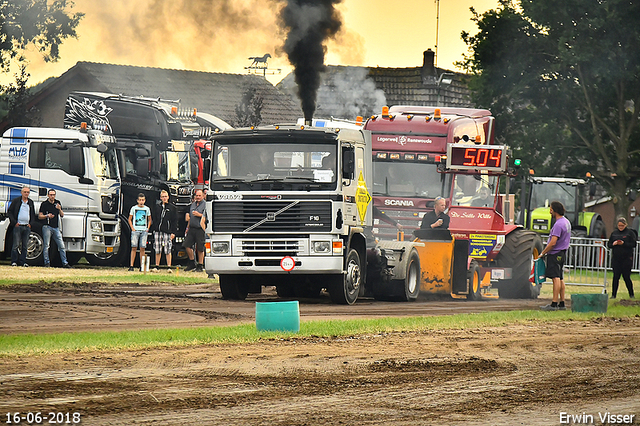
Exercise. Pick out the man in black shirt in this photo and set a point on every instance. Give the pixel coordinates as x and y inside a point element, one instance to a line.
<point>436,219</point>
<point>50,212</point>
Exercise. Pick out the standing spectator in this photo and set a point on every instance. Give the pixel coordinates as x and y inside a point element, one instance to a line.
<point>557,246</point>
<point>196,222</point>
<point>50,212</point>
<point>140,222</point>
<point>622,243</point>
<point>436,219</point>
<point>22,217</point>
<point>166,225</point>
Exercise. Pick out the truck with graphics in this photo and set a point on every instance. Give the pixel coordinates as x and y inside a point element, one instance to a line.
<point>412,154</point>
<point>154,138</point>
<point>82,166</point>
<point>288,206</point>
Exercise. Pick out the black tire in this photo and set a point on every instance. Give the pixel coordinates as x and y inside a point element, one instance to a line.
<point>408,289</point>
<point>119,258</point>
<point>35,247</point>
<point>597,230</point>
<point>518,252</point>
<point>473,278</point>
<point>344,288</point>
<point>233,288</point>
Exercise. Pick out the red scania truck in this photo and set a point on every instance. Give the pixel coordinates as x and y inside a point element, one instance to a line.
<point>420,153</point>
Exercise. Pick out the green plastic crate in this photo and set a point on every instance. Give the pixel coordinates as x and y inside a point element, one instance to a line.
<point>589,302</point>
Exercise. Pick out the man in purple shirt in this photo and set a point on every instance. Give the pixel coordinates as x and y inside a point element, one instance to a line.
<point>557,246</point>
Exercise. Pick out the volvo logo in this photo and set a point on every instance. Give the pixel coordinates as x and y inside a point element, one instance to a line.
<point>271,217</point>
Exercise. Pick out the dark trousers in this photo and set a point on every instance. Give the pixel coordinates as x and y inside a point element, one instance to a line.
<point>621,267</point>
<point>20,236</point>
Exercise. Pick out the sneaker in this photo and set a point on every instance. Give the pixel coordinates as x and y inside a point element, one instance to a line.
<point>14,264</point>
<point>25,265</point>
<point>66,266</point>
<point>131,269</point>
<point>549,307</point>
<point>192,265</point>
<point>154,269</point>
<point>169,270</point>
<point>46,265</point>
<point>562,308</point>
<point>199,268</point>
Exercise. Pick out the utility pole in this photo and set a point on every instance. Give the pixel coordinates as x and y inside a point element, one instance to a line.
<point>437,31</point>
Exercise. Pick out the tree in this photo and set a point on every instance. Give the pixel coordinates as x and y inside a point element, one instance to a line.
<point>563,79</point>
<point>39,22</point>
<point>17,98</point>
<point>249,110</point>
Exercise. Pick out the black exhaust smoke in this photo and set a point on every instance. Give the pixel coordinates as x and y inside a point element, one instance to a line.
<point>309,24</point>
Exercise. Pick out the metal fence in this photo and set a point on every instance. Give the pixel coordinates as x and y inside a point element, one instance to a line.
<point>587,263</point>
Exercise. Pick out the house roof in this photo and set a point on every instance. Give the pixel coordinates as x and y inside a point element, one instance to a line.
<point>213,93</point>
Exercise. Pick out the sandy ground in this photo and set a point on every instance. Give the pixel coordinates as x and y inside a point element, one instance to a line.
<point>517,375</point>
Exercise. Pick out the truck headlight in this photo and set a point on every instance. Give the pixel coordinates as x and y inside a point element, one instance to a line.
<point>220,247</point>
<point>96,227</point>
<point>321,246</point>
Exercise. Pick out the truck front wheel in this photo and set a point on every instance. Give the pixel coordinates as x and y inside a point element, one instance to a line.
<point>232,288</point>
<point>344,288</point>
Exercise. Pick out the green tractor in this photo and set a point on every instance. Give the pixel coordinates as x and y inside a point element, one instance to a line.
<point>539,192</point>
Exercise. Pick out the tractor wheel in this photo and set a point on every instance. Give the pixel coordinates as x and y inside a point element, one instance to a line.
<point>598,230</point>
<point>344,288</point>
<point>232,288</point>
<point>518,252</point>
<point>473,277</point>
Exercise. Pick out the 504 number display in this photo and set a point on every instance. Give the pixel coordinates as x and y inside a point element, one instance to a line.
<point>477,157</point>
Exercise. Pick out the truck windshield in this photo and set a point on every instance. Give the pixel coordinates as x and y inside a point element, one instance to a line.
<point>285,165</point>
<point>105,165</point>
<point>178,166</point>
<point>544,193</point>
<point>408,179</point>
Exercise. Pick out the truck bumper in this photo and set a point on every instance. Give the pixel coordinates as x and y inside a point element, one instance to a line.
<point>266,265</point>
<point>103,236</point>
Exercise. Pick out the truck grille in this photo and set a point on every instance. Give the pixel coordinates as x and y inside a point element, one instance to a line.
<point>272,216</point>
<point>279,248</point>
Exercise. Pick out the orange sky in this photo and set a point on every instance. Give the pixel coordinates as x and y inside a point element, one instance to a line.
<point>219,35</point>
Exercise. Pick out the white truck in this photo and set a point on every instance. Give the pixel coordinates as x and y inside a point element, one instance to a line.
<point>82,166</point>
<point>288,206</point>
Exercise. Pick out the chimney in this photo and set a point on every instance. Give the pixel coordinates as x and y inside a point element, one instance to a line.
<point>428,71</point>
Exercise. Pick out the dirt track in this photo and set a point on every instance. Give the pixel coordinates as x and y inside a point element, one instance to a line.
<point>525,374</point>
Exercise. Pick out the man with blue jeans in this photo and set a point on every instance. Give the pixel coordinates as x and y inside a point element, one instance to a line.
<point>22,217</point>
<point>50,212</point>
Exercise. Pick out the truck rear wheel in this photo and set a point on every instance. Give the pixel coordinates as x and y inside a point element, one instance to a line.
<point>473,277</point>
<point>232,288</point>
<point>518,252</point>
<point>344,288</point>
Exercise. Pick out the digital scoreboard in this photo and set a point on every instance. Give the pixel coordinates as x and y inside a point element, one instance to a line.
<point>463,156</point>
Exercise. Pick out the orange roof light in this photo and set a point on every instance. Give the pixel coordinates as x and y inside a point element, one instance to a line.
<point>359,120</point>
<point>436,114</point>
<point>427,118</point>
<point>195,112</point>
<point>478,138</point>
<point>174,110</point>
<point>385,111</point>
<point>83,125</point>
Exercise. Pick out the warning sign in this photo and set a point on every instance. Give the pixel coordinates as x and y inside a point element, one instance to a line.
<point>363,198</point>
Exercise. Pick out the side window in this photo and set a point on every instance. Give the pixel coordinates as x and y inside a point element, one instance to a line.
<point>53,156</point>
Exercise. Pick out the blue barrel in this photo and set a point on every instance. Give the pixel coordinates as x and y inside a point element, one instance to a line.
<point>278,316</point>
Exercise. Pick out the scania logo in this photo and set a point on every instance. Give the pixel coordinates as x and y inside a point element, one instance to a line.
<point>404,203</point>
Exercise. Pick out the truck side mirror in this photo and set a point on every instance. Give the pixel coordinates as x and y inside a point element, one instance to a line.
<point>348,162</point>
<point>142,166</point>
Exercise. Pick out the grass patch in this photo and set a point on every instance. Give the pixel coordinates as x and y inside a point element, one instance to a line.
<point>88,274</point>
<point>42,344</point>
